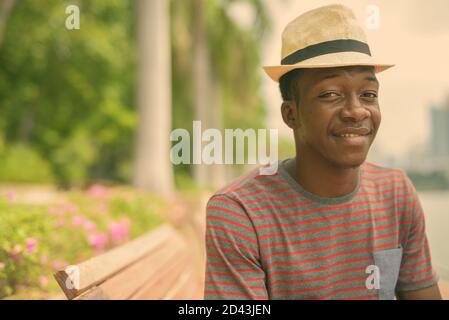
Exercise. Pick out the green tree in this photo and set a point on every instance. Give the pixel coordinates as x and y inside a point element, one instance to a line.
<point>5,9</point>
<point>69,94</point>
<point>223,60</point>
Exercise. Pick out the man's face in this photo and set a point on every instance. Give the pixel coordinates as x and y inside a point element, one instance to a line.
<point>338,115</point>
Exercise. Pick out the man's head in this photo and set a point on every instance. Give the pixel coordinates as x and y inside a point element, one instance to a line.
<point>334,113</point>
<point>328,84</point>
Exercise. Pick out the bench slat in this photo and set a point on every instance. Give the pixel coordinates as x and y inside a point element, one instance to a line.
<point>158,287</point>
<point>186,287</point>
<point>124,284</point>
<point>94,293</point>
<point>98,269</point>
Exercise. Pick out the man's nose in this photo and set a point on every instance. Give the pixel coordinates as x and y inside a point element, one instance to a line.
<point>354,109</point>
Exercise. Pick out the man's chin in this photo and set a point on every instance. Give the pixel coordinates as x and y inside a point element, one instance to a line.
<point>351,162</point>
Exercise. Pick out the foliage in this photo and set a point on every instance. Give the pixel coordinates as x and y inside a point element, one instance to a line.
<point>37,240</point>
<point>235,54</point>
<point>69,93</point>
<point>21,163</point>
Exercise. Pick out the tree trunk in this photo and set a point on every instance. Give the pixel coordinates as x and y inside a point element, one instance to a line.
<point>5,10</point>
<point>216,172</point>
<point>153,170</point>
<point>206,94</point>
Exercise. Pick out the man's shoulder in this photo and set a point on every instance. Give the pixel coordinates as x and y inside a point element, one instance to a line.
<point>228,205</point>
<point>252,182</point>
<point>376,174</point>
<point>373,170</point>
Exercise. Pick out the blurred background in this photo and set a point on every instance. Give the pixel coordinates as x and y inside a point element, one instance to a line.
<point>86,115</point>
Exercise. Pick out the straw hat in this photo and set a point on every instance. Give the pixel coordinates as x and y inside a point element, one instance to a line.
<point>322,38</point>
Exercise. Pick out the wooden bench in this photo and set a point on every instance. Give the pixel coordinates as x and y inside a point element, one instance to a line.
<point>158,265</point>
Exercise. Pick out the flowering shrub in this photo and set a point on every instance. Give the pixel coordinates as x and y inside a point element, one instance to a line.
<point>37,240</point>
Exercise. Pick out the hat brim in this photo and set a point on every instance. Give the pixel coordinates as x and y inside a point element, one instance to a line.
<point>333,60</point>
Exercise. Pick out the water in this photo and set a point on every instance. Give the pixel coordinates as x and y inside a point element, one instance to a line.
<point>436,209</point>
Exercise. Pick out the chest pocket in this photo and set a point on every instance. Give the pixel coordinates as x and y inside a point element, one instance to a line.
<point>389,263</point>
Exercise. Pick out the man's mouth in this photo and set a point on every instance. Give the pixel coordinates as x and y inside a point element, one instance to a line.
<point>350,135</point>
<point>352,132</point>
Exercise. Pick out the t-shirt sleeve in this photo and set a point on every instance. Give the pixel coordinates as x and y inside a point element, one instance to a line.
<point>416,268</point>
<point>233,268</point>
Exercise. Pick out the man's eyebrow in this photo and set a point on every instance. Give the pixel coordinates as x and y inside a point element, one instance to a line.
<point>328,76</point>
<point>336,75</point>
<point>372,79</point>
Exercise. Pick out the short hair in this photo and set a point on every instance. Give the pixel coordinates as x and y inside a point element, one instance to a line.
<point>288,86</point>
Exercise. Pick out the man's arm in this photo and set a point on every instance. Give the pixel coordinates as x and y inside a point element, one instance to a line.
<point>233,268</point>
<point>417,278</point>
<point>430,293</point>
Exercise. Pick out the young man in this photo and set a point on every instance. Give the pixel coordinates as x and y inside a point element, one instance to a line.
<point>327,225</point>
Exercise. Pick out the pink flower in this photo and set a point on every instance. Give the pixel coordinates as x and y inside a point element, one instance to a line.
<point>97,191</point>
<point>98,241</point>
<point>31,244</point>
<point>58,264</point>
<point>119,231</point>
<point>10,195</point>
<point>63,208</point>
<point>2,265</point>
<point>90,226</point>
<point>44,281</point>
<point>78,220</point>
<point>101,209</point>
<point>16,253</point>
<point>60,222</point>
<point>70,207</point>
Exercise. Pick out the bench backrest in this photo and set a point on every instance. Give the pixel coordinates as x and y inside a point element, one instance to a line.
<point>157,265</point>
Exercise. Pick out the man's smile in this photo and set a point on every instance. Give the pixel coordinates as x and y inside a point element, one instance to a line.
<point>352,136</point>
<point>352,132</point>
<point>352,140</point>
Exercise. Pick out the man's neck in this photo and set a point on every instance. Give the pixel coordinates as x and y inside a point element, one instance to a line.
<point>323,179</point>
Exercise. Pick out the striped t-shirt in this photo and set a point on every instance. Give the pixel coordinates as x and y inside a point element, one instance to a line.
<point>268,238</point>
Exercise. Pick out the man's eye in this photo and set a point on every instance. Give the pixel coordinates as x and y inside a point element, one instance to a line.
<point>370,95</point>
<point>329,95</point>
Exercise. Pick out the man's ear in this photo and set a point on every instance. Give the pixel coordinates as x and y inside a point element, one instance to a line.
<point>290,114</point>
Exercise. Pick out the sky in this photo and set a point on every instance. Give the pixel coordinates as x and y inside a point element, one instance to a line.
<point>413,34</point>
